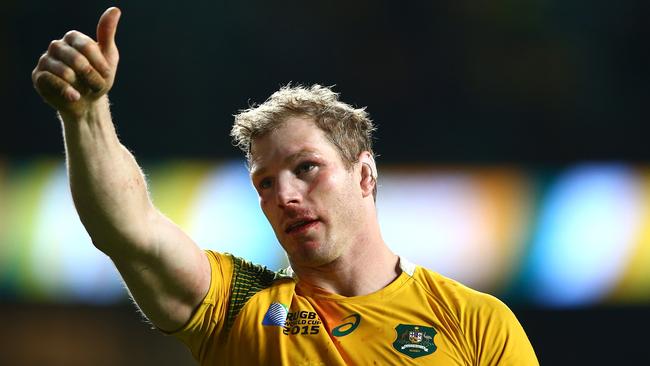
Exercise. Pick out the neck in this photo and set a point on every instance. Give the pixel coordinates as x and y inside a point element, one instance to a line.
<point>367,267</point>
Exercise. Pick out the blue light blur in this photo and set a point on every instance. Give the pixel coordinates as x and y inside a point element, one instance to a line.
<point>584,236</point>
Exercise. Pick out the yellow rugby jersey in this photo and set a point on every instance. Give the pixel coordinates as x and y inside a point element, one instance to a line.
<point>253,316</point>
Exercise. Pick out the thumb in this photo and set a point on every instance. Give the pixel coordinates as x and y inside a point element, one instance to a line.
<point>106,29</point>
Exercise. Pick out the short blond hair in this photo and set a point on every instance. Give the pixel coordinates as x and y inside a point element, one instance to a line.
<point>349,129</point>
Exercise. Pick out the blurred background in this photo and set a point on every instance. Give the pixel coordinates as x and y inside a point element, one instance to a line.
<point>512,141</point>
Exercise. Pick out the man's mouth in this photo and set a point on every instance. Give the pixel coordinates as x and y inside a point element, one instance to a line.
<point>300,226</point>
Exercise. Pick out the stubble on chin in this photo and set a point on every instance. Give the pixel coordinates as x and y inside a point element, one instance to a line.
<point>314,254</point>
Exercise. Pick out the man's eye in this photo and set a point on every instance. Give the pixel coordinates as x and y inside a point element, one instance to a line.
<point>305,167</point>
<point>264,184</point>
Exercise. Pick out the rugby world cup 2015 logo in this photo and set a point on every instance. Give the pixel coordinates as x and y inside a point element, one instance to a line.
<point>414,340</point>
<point>276,315</point>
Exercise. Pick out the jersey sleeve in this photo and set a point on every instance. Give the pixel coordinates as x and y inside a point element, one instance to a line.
<point>497,336</point>
<point>209,318</point>
<point>233,282</point>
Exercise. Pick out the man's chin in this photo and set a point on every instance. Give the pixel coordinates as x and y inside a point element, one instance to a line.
<point>309,254</point>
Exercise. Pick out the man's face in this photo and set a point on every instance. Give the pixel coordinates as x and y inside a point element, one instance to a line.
<point>307,194</point>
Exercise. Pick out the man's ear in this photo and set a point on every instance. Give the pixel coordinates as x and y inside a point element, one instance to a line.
<point>368,173</point>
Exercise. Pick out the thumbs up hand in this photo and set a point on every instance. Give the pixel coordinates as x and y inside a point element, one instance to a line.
<point>77,70</point>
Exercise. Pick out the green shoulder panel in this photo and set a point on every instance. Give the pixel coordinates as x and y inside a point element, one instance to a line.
<point>248,279</point>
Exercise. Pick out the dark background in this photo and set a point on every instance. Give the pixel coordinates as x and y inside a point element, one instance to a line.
<point>533,83</point>
<point>536,81</point>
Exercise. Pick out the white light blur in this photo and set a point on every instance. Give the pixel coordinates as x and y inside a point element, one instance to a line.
<point>226,217</point>
<point>434,220</point>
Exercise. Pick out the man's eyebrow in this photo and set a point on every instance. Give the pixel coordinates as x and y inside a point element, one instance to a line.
<point>299,155</point>
<point>257,170</point>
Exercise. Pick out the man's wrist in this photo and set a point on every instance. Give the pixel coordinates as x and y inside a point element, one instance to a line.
<point>92,111</point>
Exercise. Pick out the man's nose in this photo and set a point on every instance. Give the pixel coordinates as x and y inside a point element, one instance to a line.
<point>287,192</point>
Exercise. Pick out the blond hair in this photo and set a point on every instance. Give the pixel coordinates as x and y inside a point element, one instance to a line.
<point>349,129</point>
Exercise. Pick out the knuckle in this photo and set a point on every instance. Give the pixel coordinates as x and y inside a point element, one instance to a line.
<point>85,47</point>
<point>85,42</point>
<point>42,60</point>
<point>81,43</point>
<point>71,35</point>
<point>54,46</point>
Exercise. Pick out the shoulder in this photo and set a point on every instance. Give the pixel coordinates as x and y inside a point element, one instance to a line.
<point>243,271</point>
<point>247,279</point>
<point>473,310</point>
<point>453,292</point>
<point>486,323</point>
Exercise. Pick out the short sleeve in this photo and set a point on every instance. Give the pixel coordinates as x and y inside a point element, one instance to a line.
<point>499,338</point>
<point>209,318</point>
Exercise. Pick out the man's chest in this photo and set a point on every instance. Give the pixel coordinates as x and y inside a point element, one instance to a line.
<point>299,330</point>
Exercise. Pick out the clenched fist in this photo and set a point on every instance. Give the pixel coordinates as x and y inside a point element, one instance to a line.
<point>77,70</point>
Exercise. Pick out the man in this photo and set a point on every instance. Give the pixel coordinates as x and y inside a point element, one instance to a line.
<point>347,298</point>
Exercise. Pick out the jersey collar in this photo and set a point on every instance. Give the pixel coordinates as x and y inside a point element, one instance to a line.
<point>404,264</point>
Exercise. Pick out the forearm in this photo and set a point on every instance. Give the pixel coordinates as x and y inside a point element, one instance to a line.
<point>108,187</point>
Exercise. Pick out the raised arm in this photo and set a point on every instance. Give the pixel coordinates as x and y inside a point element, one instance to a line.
<point>166,272</point>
